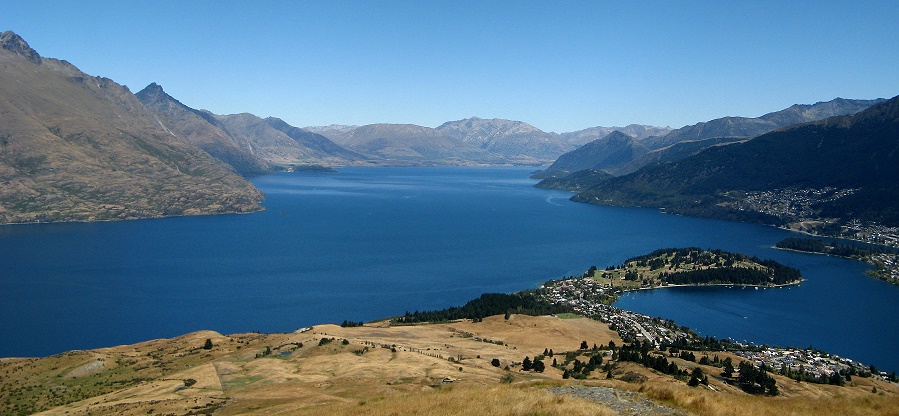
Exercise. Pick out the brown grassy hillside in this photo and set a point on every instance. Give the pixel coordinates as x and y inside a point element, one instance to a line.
<point>79,148</point>
<point>381,370</point>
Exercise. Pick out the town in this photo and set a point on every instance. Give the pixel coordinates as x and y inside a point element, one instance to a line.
<point>590,298</point>
<point>797,208</point>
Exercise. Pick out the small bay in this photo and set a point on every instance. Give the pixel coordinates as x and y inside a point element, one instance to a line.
<point>368,243</point>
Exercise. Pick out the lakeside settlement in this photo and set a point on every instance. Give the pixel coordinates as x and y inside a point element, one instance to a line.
<point>587,297</point>
<point>591,295</point>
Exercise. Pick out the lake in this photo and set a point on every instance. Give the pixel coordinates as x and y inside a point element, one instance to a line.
<point>368,243</point>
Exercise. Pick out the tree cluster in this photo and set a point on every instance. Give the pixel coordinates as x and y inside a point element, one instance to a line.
<point>583,369</point>
<point>816,245</point>
<point>524,303</point>
<point>640,353</point>
<point>536,365</point>
<point>697,378</point>
<point>755,380</point>
<point>771,273</point>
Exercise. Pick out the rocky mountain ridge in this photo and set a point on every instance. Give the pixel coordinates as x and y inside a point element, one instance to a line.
<point>69,137</point>
<point>513,139</point>
<point>74,147</point>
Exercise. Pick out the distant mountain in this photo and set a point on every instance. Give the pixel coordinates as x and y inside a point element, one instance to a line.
<point>690,140</point>
<point>329,129</point>
<point>602,154</point>
<point>744,127</point>
<point>670,153</point>
<point>842,167</point>
<point>804,113</point>
<point>515,140</point>
<point>248,143</point>
<point>202,130</point>
<point>327,150</point>
<point>78,148</point>
<point>409,144</point>
<point>276,146</point>
<point>637,131</point>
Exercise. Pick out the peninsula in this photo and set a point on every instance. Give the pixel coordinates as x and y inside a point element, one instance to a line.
<point>884,259</point>
<point>690,266</point>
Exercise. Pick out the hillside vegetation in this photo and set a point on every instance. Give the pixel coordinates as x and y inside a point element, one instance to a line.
<point>694,266</point>
<point>461,367</point>
<point>843,167</point>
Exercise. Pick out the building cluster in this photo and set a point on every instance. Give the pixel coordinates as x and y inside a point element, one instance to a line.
<point>889,266</point>
<point>589,297</point>
<point>586,297</point>
<point>806,361</point>
<point>791,204</point>
<point>797,205</point>
<point>873,233</point>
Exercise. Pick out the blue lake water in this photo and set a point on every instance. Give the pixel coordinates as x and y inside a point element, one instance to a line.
<point>368,243</point>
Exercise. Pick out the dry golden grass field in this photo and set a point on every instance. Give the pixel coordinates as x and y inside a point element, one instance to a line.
<point>378,369</point>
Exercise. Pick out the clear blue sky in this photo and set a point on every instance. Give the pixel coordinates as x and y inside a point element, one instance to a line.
<point>559,65</point>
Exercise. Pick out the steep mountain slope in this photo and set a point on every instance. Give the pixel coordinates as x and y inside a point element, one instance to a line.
<point>851,162</point>
<point>602,154</point>
<point>637,131</point>
<point>804,113</point>
<point>410,144</point>
<point>513,139</point>
<point>671,153</point>
<point>248,143</point>
<point>742,127</point>
<point>690,140</point>
<point>327,149</point>
<point>76,148</point>
<point>274,145</point>
<point>746,127</point>
<point>202,130</point>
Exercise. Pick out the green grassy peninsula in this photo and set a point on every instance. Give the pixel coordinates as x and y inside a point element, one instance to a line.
<point>694,266</point>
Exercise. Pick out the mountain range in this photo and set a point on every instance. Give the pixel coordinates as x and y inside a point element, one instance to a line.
<point>844,167</point>
<point>622,154</point>
<point>75,147</point>
<point>79,148</point>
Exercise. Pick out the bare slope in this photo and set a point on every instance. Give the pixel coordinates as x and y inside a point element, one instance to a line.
<point>515,140</point>
<point>379,370</point>
<point>76,148</point>
<point>202,130</point>
<point>402,144</point>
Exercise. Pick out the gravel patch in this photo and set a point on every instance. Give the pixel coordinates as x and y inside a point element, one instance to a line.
<point>622,401</point>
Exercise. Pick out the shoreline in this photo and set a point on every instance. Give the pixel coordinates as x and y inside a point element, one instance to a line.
<point>717,284</point>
